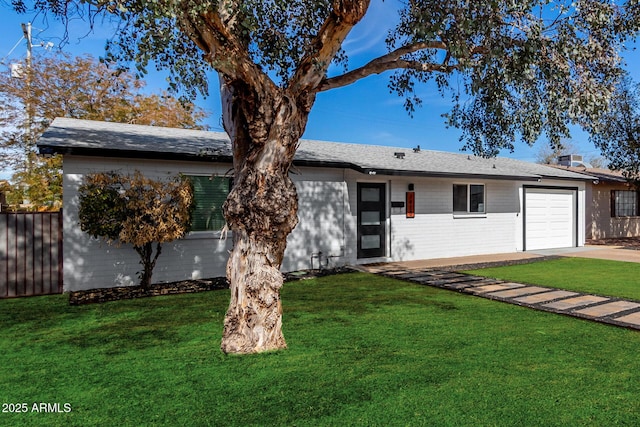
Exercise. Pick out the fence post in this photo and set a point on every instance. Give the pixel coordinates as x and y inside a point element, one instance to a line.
<point>60,253</point>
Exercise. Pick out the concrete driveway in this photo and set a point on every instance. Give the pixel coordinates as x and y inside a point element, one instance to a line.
<point>614,253</point>
<point>599,251</point>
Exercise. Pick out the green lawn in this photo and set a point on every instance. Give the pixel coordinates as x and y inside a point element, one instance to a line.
<point>609,278</point>
<point>363,351</point>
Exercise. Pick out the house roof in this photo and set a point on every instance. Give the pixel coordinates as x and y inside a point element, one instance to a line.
<point>106,139</point>
<point>605,175</point>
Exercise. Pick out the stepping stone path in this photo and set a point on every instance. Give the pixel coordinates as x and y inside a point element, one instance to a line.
<point>614,311</point>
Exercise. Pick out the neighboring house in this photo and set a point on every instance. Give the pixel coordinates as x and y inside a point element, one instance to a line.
<point>612,204</point>
<point>357,203</point>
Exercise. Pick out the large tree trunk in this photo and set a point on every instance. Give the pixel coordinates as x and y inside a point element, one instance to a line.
<point>261,211</point>
<point>265,122</point>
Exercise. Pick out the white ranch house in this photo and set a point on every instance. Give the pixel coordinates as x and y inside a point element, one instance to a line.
<point>357,203</point>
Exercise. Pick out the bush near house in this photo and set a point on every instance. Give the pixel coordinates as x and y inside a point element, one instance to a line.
<point>136,210</point>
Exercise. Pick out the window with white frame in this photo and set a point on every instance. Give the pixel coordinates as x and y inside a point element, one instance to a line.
<point>624,203</point>
<point>209,193</point>
<point>468,198</point>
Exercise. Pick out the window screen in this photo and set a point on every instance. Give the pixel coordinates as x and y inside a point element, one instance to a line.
<point>209,193</point>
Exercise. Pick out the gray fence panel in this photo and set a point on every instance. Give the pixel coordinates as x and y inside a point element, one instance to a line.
<point>30,254</point>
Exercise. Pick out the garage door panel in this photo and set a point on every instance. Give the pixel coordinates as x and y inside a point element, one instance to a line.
<point>550,218</point>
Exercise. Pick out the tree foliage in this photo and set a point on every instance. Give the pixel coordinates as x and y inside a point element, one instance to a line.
<point>41,185</point>
<point>514,69</point>
<point>133,209</point>
<point>619,138</point>
<point>77,87</point>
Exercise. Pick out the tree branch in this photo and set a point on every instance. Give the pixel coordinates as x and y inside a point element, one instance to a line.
<point>313,67</point>
<point>224,46</point>
<point>393,61</point>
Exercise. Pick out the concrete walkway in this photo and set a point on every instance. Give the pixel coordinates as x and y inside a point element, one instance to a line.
<point>441,273</point>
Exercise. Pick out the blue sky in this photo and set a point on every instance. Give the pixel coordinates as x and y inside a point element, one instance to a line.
<point>364,112</point>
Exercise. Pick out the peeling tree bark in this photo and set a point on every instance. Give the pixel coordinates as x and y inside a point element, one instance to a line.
<point>261,211</point>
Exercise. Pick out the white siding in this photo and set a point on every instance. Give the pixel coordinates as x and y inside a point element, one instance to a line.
<point>324,220</point>
<point>90,263</point>
<point>436,232</point>
<point>327,224</point>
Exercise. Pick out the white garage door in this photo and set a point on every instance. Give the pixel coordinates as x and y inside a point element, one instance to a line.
<point>550,218</point>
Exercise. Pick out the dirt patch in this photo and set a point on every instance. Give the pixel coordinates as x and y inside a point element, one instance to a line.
<point>632,243</point>
<point>99,295</point>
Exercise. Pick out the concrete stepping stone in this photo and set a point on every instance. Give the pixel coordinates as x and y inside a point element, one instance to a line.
<point>518,292</point>
<point>391,272</point>
<point>608,309</point>
<point>545,297</point>
<point>495,287</point>
<point>470,284</point>
<point>447,281</point>
<point>426,280</point>
<point>483,281</point>
<point>417,274</point>
<point>456,286</point>
<point>631,319</point>
<point>434,272</point>
<point>465,279</point>
<point>570,303</point>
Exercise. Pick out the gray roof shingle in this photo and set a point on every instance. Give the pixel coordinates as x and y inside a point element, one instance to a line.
<point>94,138</point>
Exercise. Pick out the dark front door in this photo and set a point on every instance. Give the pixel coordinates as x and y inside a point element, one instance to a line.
<point>371,220</point>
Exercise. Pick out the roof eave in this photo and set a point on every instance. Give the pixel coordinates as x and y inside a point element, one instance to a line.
<point>571,178</point>
<point>134,154</point>
<point>206,157</point>
<point>432,174</point>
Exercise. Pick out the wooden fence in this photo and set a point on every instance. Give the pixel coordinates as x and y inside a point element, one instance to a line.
<point>30,254</point>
